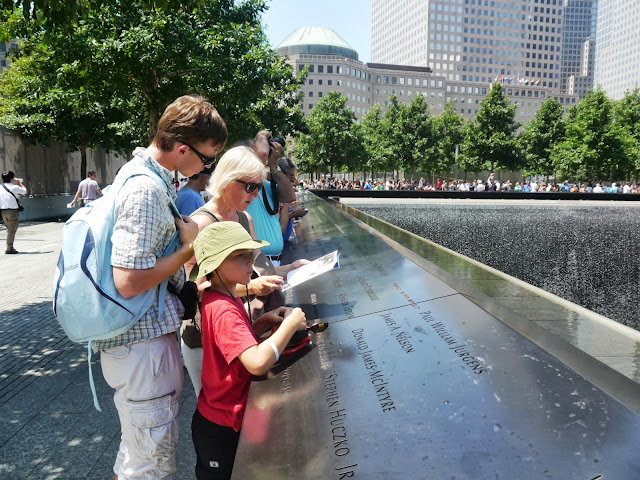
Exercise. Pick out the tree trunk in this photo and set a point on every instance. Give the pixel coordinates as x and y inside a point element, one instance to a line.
<point>83,161</point>
<point>154,118</point>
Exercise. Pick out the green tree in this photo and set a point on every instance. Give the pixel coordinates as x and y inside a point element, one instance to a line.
<point>63,15</point>
<point>392,131</point>
<point>627,121</point>
<point>490,139</point>
<point>540,136</point>
<point>416,136</point>
<point>374,140</point>
<point>145,58</point>
<point>358,155</point>
<point>60,103</point>
<point>330,141</point>
<point>593,149</point>
<point>449,133</point>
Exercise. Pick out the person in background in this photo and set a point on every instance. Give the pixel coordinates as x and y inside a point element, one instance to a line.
<point>294,210</point>
<point>277,188</point>
<point>190,195</point>
<point>12,188</point>
<point>88,190</point>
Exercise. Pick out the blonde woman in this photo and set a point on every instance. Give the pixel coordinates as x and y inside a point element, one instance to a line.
<point>235,183</point>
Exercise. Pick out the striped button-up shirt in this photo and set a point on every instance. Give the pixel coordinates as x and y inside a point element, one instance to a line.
<point>144,226</point>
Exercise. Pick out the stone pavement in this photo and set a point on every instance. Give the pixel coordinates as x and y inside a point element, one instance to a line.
<point>49,428</point>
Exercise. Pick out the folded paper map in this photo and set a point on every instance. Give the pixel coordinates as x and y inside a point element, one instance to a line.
<point>311,270</point>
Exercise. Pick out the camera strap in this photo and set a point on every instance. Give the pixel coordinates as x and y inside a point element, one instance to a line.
<point>274,194</point>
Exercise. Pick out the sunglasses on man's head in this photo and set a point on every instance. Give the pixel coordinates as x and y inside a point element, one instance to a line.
<point>250,187</point>
<point>206,160</point>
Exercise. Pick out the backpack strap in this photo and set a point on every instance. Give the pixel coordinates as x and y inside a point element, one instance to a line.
<point>146,171</point>
<point>162,288</point>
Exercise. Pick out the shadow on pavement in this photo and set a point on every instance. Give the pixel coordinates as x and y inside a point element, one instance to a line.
<point>49,428</point>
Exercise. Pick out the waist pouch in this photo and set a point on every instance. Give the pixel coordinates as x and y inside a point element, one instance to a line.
<point>190,332</point>
<point>188,297</point>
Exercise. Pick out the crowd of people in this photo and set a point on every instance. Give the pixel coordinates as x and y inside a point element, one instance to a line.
<point>228,323</point>
<point>491,184</point>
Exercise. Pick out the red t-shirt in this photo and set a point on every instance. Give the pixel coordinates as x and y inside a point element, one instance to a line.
<point>226,333</point>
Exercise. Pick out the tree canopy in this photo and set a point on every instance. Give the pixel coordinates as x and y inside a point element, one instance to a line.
<point>490,138</point>
<point>592,149</point>
<point>540,136</point>
<point>332,140</point>
<point>449,133</point>
<point>125,61</point>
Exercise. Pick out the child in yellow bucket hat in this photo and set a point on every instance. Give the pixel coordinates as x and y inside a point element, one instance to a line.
<point>232,351</point>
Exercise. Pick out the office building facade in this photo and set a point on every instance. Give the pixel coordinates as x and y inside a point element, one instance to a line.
<point>5,50</point>
<point>547,43</point>
<point>334,66</point>
<point>617,58</point>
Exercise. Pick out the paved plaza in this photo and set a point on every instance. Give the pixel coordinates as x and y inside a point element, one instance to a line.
<point>49,428</point>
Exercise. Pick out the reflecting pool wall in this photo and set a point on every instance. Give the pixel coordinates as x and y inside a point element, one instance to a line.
<point>585,252</point>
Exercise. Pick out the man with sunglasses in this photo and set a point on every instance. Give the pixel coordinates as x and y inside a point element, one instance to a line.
<point>277,189</point>
<point>143,365</point>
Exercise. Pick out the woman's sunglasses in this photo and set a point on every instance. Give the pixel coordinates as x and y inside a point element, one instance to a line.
<point>250,187</point>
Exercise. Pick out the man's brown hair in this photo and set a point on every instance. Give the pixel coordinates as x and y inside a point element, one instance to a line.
<point>190,119</point>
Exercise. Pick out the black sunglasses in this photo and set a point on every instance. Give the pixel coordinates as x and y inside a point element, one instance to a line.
<point>250,187</point>
<point>206,160</point>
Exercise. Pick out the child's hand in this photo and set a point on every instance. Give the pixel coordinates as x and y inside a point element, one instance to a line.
<point>297,318</point>
<point>268,320</point>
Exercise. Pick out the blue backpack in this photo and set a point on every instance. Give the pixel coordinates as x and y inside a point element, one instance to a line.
<point>85,299</point>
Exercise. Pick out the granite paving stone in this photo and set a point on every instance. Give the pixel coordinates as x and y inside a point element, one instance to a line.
<point>49,428</point>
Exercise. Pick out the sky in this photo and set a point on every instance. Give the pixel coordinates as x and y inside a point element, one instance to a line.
<point>351,19</point>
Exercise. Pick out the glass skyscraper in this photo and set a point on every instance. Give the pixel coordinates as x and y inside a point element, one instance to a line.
<point>617,58</point>
<point>514,42</point>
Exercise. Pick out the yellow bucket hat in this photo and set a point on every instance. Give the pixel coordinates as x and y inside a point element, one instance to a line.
<point>216,242</point>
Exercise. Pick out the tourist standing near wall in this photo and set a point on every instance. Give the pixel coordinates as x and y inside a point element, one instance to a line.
<point>12,188</point>
<point>88,190</point>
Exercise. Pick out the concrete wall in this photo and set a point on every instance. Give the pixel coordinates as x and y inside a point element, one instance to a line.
<point>53,170</point>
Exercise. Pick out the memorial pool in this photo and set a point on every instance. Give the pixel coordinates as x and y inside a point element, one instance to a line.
<point>585,252</point>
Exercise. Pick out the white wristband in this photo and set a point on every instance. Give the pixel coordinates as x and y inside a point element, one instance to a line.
<point>273,346</point>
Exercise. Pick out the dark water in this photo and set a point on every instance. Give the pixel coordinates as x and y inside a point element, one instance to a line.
<point>587,254</point>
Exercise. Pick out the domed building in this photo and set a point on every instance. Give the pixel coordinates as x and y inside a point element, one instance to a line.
<point>318,41</point>
<point>333,65</point>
